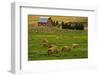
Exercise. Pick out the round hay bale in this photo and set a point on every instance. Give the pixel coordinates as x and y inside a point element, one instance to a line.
<point>66,49</point>
<point>53,50</point>
<point>45,44</point>
<point>51,45</point>
<point>75,45</point>
<point>45,40</point>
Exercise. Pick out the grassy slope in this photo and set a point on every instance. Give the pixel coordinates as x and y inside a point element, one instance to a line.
<point>33,19</point>
<point>37,52</point>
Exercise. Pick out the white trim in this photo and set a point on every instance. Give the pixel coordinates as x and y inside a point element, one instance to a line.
<point>16,61</point>
<point>15,52</point>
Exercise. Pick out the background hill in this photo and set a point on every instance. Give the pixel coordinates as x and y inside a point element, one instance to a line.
<point>33,19</point>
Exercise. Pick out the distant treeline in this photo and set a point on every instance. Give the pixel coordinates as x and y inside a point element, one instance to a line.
<point>76,26</point>
<point>70,25</point>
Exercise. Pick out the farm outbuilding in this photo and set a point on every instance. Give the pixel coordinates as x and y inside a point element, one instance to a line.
<point>45,21</point>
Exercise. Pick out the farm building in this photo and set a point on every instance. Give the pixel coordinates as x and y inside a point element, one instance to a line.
<point>45,21</point>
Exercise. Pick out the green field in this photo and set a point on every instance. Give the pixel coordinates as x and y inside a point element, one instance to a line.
<point>58,37</point>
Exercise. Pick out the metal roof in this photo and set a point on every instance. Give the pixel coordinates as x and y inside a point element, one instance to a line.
<point>43,19</point>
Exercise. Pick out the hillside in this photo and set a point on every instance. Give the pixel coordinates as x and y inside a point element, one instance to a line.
<point>33,19</point>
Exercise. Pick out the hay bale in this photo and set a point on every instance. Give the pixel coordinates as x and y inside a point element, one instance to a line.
<point>51,45</point>
<point>45,40</point>
<point>53,50</point>
<point>66,49</point>
<point>45,44</point>
<point>75,45</point>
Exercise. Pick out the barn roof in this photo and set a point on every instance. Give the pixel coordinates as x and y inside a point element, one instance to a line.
<point>43,19</point>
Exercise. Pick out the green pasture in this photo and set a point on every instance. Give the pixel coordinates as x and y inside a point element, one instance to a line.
<point>58,37</point>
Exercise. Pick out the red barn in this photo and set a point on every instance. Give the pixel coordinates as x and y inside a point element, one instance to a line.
<point>45,21</point>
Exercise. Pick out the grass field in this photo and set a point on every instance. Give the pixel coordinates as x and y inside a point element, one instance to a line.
<point>60,38</point>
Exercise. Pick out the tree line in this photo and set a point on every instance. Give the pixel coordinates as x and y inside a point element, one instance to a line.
<point>69,25</point>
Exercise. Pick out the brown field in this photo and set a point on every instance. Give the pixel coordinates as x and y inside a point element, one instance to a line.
<point>33,19</point>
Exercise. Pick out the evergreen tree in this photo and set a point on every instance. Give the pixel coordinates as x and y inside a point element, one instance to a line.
<point>54,23</point>
<point>57,23</point>
<point>62,23</point>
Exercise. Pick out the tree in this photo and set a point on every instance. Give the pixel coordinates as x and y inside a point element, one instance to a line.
<point>54,23</point>
<point>62,23</point>
<point>57,23</point>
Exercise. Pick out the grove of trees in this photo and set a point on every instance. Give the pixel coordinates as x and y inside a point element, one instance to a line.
<point>69,25</point>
